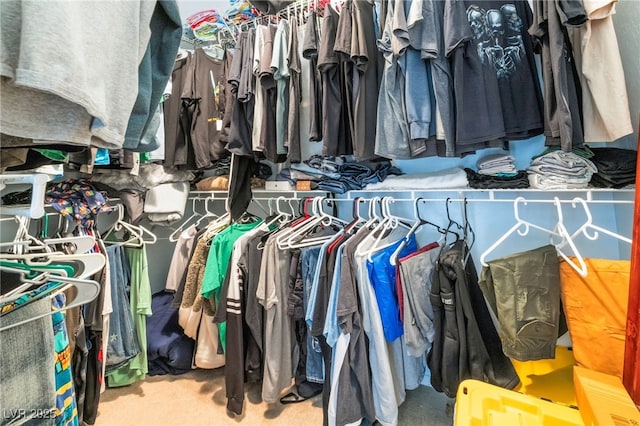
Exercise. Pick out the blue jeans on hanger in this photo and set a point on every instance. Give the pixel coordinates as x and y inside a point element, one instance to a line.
<point>123,339</point>
<point>315,364</point>
<point>28,359</point>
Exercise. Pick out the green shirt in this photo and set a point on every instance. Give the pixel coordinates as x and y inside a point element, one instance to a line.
<point>140,303</point>
<point>218,264</point>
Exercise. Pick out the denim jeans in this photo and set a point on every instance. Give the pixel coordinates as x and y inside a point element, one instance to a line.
<point>315,364</point>
<point>123,339</point>
<point>28,362</point>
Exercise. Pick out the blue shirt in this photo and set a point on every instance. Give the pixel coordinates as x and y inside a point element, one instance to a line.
<point>383,279</point>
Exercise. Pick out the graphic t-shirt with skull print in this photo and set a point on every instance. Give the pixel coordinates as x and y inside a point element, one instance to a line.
<point>495,79</point>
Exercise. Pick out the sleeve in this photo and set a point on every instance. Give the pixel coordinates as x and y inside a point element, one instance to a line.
<point>600,9</point>
<point>457,32</point>
<point>572,13</point>
<point>266,292</point>
<point>214,271</point>
<point>144,290</point>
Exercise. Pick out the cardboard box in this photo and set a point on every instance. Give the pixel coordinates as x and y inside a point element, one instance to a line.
<point>303,185</point>
<point>603,400</point>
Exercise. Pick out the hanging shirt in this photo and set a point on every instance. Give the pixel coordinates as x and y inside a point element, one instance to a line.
<point>140,300</point>
<point>217,265</point>
<point>281,74</point>
<point>49,96</point>
<point>205,90</point>
<point>562,108</point>
<point>494,72</point>
<point>388,392</point>
<point>605,103</point>
<point>272,293</point>
<point>356,392</point>
<point>66,407</point>
<point>382,275</point>
<point>310,46</point>
<point>336,136</point>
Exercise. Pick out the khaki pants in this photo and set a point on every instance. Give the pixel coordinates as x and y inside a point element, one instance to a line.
<point>596,310</point>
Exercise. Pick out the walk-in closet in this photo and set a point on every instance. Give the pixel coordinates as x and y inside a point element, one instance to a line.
<point>319,212</point>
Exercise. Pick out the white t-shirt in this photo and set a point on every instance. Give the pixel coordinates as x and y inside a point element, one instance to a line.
<point>604,94</point>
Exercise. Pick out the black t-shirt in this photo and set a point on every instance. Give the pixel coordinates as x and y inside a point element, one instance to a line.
<point>495,78</point>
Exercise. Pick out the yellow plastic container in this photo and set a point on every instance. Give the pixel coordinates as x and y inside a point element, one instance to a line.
<point>479,403</point>
<point>550,379</point>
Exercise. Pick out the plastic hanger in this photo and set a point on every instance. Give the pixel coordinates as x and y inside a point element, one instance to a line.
<point>419,222</point>
<point>388,223</point>
<point>306,220</point>
<point>175,235</point>
<point>90,263</point>
<point>299,238</point>
<point>208,214</point>
<point>521,226</point>
<point>589,226</point>
<point>137,232</point>
<point>81,243</point>
<point>280,216</point>
<point>87,291</point>
<point>350,227</point>
<point>467,231</point>
<point>562,232</point>
<point>215,226</point>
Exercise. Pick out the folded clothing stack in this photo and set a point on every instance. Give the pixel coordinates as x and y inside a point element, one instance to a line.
<point>616,167</point>
<point>340,174</point>
<point>454,177</point>
<point>560,170</point>
<point>497,165</point>
<point>518,181</point>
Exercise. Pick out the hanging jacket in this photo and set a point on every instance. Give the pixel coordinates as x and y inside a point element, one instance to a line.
<point>466,344</point>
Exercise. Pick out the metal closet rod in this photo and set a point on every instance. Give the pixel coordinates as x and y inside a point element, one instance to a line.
<point>439,200</point>
<point>432,200</point>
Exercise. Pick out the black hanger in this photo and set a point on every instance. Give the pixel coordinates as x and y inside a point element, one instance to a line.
<point>452,222</point>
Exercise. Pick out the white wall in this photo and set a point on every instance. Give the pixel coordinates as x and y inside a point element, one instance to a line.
<point>189,7</point>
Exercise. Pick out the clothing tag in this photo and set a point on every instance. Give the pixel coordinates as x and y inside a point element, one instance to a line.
<point>135,170</point>
<point>218,125</point>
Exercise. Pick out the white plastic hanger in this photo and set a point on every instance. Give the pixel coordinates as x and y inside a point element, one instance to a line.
<point>521,226</point>
<point>81,243</point>
<point>559,232</point>
<point>137,232</point>
<point>87,291</point>
<point>581,266</point>
<point>91,262</point>
<point>388,222</point>
<point>589,226</point>
<point>279,215</point>
<point>175,235</point>
<point>297,239</point>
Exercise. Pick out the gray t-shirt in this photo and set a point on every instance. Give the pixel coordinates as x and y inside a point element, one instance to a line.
<point>272,293</point>
<point>355,398</point>
<point>71,82</point>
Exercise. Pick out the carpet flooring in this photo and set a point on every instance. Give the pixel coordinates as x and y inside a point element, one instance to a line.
<point>198,398</point>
